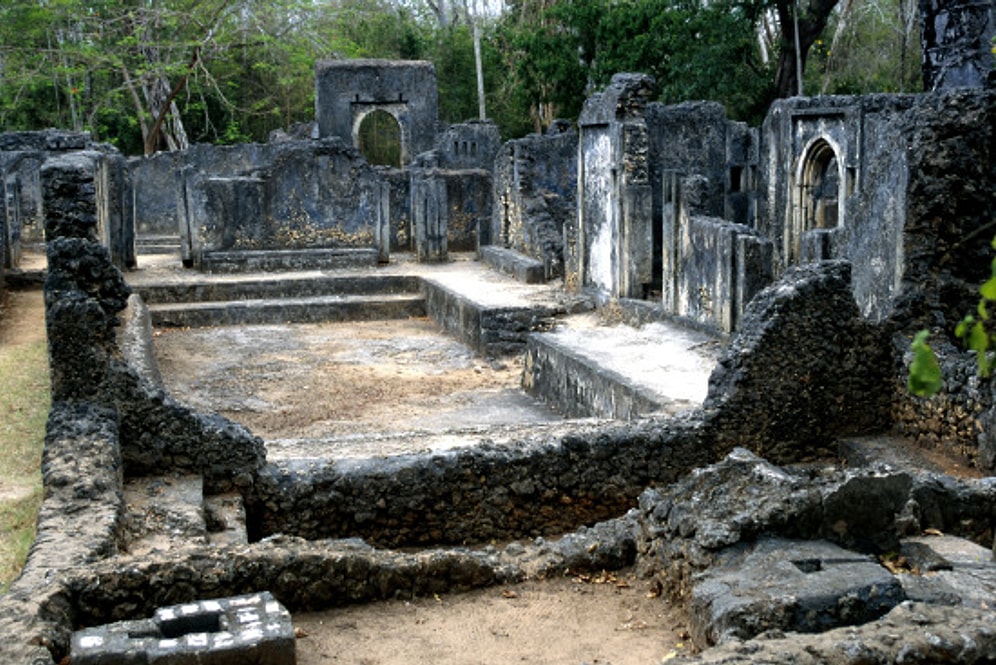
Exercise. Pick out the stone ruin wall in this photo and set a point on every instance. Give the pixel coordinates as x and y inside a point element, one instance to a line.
<point>21,157</point>
<point>766,394</point>
<point>535,191</point>
<point>315,194</point>
<point>106,403</point>
<point>949,223</point>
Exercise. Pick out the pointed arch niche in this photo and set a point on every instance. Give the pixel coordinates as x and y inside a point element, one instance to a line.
<point>818,194</point>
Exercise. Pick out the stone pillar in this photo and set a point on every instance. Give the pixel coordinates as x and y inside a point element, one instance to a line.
<point>8,258</point>
<point>382,231</point>
<point>670,238</point>
<point>185,202</point>
<point>115,209</point>
<point>754,263</point>
<point>84,292</point>
<point>429,214</point>
<point>957,43</point>
<point>614,235</point>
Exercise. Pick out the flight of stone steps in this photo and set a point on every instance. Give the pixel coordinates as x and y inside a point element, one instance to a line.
<point>285,298</point>
<point>148,243</point>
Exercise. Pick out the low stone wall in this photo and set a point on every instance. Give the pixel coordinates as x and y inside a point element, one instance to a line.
<point>477,494</point>
<point>492,332</point>
<point>77,526</point>
<point>578,389</point>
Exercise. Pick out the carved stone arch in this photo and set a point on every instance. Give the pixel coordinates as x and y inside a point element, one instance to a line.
<point>817,194</point>
<point>378,117</point>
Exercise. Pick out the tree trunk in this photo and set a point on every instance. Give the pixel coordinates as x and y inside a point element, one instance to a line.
<point>811,20</point>
<point>482,111</point>
<point>167,129</point>
<point>835,45</point>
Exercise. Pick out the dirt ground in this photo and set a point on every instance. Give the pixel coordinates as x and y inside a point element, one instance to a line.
<point>320,380</point>
<point>604,619</point>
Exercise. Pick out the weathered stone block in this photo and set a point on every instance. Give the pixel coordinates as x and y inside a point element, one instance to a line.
<point>247,630</point>
<point>799,586</point>
<point>510,262</point>
<point>950,571</point>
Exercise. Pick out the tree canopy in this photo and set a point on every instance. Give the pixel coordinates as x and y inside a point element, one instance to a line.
<point>149,75</point>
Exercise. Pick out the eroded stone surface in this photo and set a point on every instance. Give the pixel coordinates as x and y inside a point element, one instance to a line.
<point>801,586</point>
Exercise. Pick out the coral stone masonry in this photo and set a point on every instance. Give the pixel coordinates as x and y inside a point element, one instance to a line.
<point>778,484</point>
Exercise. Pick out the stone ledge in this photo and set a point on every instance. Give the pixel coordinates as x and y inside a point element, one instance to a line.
<point>776,584</point>
<point>287,259</point>
<point>523,268</point>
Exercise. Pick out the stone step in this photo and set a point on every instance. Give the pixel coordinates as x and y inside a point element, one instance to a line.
<point>170,512</point>
<point>155,243</point>
<point>316,309</point>
<point>225,515</point>
<point>242,261</point>
<point>215,289</point>
<point>164,248</point>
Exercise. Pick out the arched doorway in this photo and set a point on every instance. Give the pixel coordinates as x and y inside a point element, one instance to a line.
<point>380,139</point>
<point>817,197</point>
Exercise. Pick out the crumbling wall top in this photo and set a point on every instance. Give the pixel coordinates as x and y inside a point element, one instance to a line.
<point>626,98</point>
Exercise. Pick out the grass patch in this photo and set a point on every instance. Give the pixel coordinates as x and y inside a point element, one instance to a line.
<point>24,404</point>
<point>17,533</point>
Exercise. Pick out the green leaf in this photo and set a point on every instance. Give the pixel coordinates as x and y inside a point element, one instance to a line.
<point>978,340</point>
<point>962,329</point>
<point>924,377</point>
<point>988,290</point>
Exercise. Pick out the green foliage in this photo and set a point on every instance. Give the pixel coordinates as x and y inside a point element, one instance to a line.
<point>975,331</point>
<point>246,67</point>
<point>453,54</point>
<point>877,50</point>
<point>694,49</point>
<point>924,377</point>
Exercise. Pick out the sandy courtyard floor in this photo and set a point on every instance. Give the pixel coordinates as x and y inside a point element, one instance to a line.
<point>596,620</point>
<point>303,381</point>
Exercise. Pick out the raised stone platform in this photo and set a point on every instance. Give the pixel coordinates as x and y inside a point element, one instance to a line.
<point>586,369</point>
<point>284,310</point>
<point>288,259</point>
<point>523,268</point>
